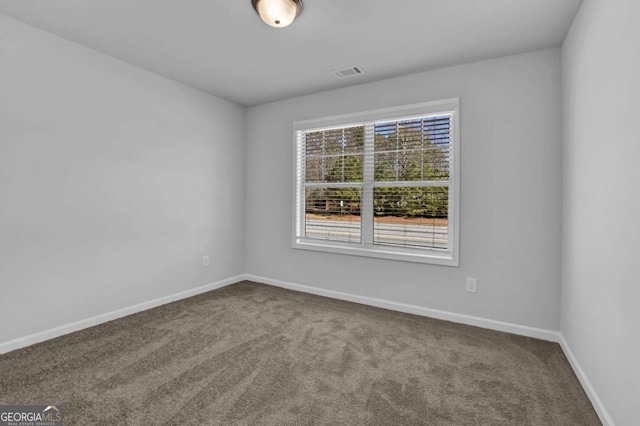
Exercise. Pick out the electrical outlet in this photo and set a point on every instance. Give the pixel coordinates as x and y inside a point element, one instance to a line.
<point>206,261</point>
<point>472,285</point>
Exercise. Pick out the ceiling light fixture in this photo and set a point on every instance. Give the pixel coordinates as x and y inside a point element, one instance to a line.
<point>278,13</point>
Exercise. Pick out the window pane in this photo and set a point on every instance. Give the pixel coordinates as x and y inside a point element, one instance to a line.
<point>409,134</point>
<point>333,141</point>
<point>314,169</point>
<point>437,163</point>
<point>411,217</point>
<point>354,140</point>
<point>315,143</point>
<point>413,165</point>
<point>335,155</point>
<point>340,168</point>
<point>348,140</point>
<point>385,166</point>
<point>333,167</point>
<point>333,214</point>
<point>410,165</point>
<point>413,149</point>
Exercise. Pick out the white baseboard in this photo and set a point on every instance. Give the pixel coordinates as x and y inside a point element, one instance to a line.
<point>22,342</point>
<point>522,330</point>
<point>602,412</point>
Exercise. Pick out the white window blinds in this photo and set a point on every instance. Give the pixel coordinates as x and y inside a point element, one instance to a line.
<point>332,212</point>
<point>385,187</point>
<point>411,191</point>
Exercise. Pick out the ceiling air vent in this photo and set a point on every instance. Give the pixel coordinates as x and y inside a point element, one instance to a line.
<point>347,72</point>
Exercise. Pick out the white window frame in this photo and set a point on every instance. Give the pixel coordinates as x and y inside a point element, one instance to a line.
<point>448,257</point>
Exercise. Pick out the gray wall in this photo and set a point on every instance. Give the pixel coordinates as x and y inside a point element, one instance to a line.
<point>114,182</point>
<point>511,193</point>
<point>601,214</point>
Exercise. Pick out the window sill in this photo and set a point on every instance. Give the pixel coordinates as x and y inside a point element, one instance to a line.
<point>444,258</point>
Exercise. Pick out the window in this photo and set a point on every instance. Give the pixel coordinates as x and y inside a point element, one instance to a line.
<point>381,183</point>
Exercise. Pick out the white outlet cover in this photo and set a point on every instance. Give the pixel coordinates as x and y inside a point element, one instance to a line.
<point>472,285</point>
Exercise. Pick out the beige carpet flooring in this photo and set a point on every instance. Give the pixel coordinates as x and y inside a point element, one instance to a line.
<point>251,354</point>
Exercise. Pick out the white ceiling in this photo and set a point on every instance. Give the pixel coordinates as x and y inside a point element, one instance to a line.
<point>222,47</point>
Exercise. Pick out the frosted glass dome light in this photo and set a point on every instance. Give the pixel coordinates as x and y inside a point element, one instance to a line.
<point>278,13</point>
